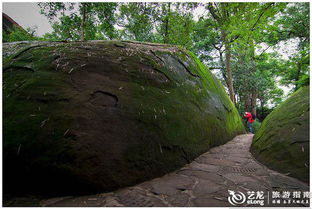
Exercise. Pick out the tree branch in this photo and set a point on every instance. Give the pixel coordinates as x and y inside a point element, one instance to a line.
<point>264,51</point>
<point>262,13</point>
<point>257,21</point>
<point>213,12</point>
<point>216,68</point>
<point>217,48</point>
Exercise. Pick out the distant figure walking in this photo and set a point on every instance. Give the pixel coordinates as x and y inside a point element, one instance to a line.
<point>250,119</point>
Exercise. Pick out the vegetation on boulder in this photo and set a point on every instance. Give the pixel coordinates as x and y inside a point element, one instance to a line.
<point>101,115</point>
<point>282,142</point>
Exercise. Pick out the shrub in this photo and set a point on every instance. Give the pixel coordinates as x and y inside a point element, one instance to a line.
<point>256,125</point>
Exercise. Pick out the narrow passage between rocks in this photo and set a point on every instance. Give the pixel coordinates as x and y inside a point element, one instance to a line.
<point>204,182</point>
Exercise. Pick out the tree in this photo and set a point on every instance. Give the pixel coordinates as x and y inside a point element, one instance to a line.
<point>221,14</point>
<point>80,21</point>
<point>294,72</point>
<point>169,23</point>
<point>136,21</point>
<point>239,22</point>
<point>256,80</point>
<point>294,23</point>
<point>208,46</point>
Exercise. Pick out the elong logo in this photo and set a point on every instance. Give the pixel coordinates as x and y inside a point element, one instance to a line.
<point>236,198</point>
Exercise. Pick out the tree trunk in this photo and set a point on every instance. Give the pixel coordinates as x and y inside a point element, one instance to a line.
<point>222,70</point>
<point>262,110</point>
<point>83,20</point>
<point>228,66</point>
<point>166,35</point>
<point>248,103</point>
<point>254,103</point>
<point>297,75</point>
<point>240,99</point>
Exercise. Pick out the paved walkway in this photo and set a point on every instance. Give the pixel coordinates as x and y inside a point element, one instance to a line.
<point>204,182</point>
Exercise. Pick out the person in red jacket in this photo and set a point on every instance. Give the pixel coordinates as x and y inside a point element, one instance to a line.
<point>250,120</point>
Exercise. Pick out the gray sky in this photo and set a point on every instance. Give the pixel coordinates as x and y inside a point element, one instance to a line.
<point>27,14</point>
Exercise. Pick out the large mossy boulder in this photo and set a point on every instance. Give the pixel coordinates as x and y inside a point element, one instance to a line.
<point>283,140</point>
<point>96,116</point>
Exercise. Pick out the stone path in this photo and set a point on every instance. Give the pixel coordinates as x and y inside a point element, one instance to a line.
<point>204,182</point>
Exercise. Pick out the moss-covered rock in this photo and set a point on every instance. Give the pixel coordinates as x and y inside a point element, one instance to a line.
<point>282,142</point>
<point>96,116</point>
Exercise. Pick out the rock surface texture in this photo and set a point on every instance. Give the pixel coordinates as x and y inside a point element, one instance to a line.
<point>283,141</point>
<point>96,116</point>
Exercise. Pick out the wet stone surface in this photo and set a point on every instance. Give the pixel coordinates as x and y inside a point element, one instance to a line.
<point>204,182</point>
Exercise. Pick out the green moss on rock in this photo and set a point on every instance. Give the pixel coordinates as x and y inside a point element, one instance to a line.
<point>96,116</point>
<point>283,141</point>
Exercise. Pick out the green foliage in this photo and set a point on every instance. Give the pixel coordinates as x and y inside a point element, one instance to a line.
<point>295,21</point>
<point>304,81</point>
<point>93,20</point>
<point>263,112</point>
<point>257,76</point>
<point>66,28</point>
<point>136,20</point>
<point>206,39</point>
<point>246,26</point>
<point>175,23</point>
<point>295,71</point>
<point>18,34</point>
<point>256,126</point>
<point>170,23</point>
